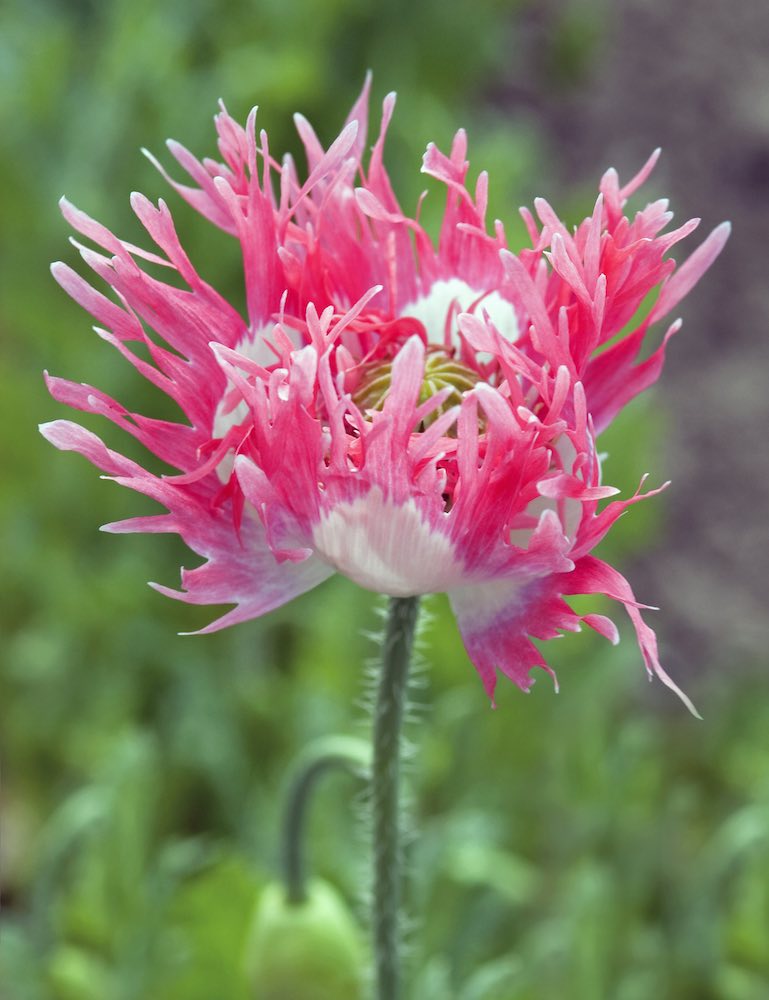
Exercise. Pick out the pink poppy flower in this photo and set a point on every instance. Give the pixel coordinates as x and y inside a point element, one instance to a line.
<point>419,418</point>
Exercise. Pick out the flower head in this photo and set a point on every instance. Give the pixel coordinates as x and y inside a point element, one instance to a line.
<point>419,417</point>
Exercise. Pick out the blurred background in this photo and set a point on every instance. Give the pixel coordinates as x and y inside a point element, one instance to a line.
<point>598,844</point>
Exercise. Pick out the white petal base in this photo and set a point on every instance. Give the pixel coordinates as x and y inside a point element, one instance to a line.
<point>387,547</point>
<point>433,308</point>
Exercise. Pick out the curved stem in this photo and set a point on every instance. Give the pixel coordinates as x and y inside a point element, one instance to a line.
<point>345,752</point>
<point>385,781</point>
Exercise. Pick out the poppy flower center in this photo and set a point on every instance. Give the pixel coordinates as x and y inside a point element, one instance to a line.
<point>442,371</point>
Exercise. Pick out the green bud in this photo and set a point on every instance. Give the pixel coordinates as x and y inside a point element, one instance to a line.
<point>305,951</point>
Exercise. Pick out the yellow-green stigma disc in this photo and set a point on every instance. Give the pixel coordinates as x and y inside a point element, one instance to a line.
<point>441,372</point>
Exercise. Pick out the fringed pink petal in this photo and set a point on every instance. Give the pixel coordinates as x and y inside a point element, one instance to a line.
<point>498,620</point>
<point>204,199</point>
<point>612,380</point>
<point>247,576</point>
<point>595,526</point>
<point>641,177</point>
<point>687,276</point>
<point>359,113</point>
<point>543,332</point>
<point>239,569</point>
<point>592,576</point>
<point>66,436</point>
<point>176,444</point>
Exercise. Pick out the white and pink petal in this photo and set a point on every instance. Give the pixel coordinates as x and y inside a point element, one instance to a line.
<point>239,566</point>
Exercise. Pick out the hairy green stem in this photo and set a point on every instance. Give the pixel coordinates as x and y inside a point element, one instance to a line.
<point>385,796</point>
<point>344,752</point>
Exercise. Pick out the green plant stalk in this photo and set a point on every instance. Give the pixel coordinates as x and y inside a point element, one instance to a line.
<point>344,752</point>
<point>385,792</point>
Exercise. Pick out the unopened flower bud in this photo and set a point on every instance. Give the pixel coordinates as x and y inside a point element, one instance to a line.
<point>305,951</point>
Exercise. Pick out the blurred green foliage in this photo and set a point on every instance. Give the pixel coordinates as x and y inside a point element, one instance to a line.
<point>598,844</point>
